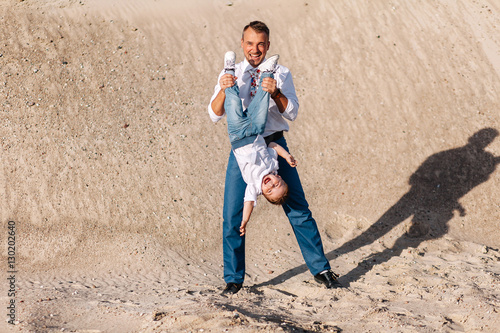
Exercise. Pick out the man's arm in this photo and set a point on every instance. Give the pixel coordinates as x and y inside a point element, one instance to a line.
<point>247,211</point>
<point>283,153</point>
<point>270,85</point>
<point>286,100</point>
<point>280,100</point>
<point>226,81</point>
<point>217,105</point>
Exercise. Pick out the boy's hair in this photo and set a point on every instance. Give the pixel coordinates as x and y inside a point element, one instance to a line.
<point>281,200</point>
<point>257,26</point>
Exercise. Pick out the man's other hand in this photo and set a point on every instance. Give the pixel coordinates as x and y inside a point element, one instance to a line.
<point>269,85</point>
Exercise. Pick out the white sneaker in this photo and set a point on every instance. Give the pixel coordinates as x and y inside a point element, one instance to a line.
<point>270,64</point>
<point>229,60</point>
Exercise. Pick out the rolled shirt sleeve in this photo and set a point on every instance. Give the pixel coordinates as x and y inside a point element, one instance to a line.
<point>288,89</point>
<point>215,118</point>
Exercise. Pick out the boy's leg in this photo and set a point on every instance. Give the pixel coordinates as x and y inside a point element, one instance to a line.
<point>251,122</point>
<point>259,107</point>
<point>238,121</point>
<point>304,226</point>
<point>233,243</point>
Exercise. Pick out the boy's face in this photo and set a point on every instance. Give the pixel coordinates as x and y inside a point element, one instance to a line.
<point>273,186</point>
<point>255,45</point>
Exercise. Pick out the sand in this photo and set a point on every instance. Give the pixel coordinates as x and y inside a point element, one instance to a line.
<point>113,173</point>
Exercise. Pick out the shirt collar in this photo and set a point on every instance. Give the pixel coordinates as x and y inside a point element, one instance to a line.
<point>247,67</point>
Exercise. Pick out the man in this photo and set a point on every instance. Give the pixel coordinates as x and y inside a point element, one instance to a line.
<point>282,106</point>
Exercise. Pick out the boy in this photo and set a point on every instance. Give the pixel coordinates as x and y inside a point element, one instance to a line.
<point>257,161</point>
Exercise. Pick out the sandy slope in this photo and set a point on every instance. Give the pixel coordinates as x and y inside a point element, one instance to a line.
<point>114,174</point>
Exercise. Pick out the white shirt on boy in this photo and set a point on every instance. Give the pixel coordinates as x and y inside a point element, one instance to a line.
<point>256,161</point>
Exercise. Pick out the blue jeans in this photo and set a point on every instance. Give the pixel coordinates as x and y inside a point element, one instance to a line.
<point>296,208</point>
<point>250,122</point>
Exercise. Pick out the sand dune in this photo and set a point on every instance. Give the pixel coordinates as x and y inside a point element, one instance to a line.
<point>114,174</point>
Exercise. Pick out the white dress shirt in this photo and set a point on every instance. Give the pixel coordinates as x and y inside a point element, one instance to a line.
<point>275,120</point>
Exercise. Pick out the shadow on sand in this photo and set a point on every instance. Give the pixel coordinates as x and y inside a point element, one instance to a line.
<point>436,187</point>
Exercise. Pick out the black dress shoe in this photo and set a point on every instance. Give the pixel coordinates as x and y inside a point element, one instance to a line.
<point>232,288</point>
<point>329,279</point>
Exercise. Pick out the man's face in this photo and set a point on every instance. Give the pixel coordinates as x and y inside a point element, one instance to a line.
<point>255,45</point>
<point>273,186</point>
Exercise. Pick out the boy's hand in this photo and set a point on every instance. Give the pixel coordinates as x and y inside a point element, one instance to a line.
<point>243,227</point>
<point>227,81</point>
<point>291,160</point>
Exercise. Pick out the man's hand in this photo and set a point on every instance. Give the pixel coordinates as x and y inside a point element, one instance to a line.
<point>227,81</point>
<point>291,160</point>
<point>269,85</point>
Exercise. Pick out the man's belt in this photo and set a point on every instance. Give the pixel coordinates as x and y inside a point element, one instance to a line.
<point>273,137</point>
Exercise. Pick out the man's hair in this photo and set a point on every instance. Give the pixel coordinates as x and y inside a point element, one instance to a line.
<point>281,200</point>
<point>257,26</point>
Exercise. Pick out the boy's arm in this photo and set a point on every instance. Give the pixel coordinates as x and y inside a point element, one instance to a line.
<point>247,211</point>
<point>283,153</point>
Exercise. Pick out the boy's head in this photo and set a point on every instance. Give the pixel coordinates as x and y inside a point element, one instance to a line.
<point>274,189</point>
